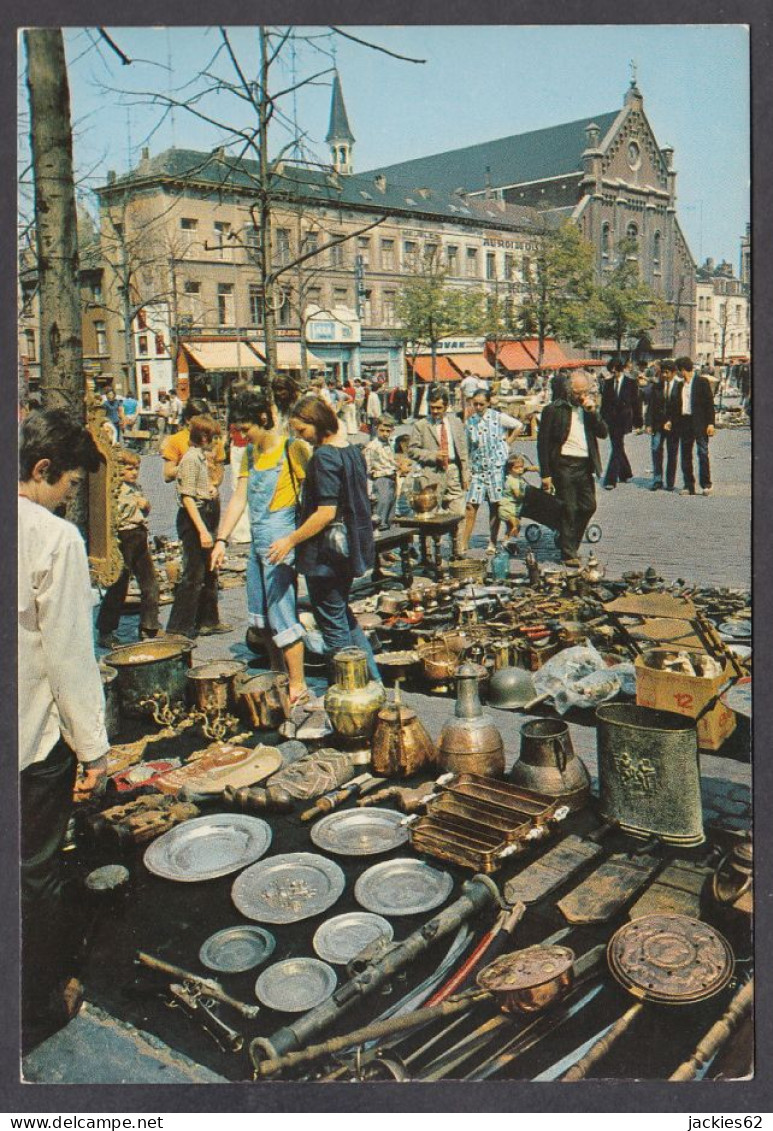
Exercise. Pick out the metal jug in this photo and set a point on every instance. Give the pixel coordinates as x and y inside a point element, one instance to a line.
<point>401,746</point>
<point>649,773</point>
<point>470,742</point>
<point>354,700</point>
<point>548,763</point>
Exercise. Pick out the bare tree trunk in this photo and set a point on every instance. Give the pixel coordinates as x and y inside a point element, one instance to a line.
<point>61,345</point>
<point>56,233</point>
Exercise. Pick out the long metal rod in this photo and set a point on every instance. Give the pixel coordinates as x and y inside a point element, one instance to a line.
<point>720,1032</point>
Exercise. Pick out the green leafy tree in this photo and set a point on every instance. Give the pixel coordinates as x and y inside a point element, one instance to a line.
<point>558,289</point>
<point>428,310</point>
<point>498,323</point>
<point>626,308</point>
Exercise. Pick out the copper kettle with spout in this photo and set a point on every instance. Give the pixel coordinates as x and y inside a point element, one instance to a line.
<point>401,746</point>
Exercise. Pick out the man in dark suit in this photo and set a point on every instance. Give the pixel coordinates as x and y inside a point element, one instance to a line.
<point>568,453</point>
<point>696,426</point>
<point>439,445</point>
<point>664,408</point>
<point>621,412</point>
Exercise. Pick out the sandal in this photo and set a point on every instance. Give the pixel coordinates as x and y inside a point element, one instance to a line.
<point>302,698</point>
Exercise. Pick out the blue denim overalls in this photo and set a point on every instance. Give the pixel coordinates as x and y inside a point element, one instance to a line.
<point>270,588</point>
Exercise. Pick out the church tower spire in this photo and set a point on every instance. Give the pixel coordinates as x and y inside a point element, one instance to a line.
<point>339,135</point>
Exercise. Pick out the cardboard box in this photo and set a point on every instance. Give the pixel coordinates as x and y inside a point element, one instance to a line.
<point>686,695</point>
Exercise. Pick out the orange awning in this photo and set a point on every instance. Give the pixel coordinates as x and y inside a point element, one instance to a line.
<point>553,357</point>
<point>513,356</point>
<point>476,363</point>
<point>444,368</point>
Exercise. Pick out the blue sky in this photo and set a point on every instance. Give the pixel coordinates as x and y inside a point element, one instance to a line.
<point>478,83</point>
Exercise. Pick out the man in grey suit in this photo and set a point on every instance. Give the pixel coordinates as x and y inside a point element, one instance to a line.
<point>439,445</point>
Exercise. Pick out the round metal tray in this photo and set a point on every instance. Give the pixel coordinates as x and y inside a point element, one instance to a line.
<point>360,832</point>
<point>295,985</point>
<point>402,887</point>
<point>208,847</point>
<point>288,888</point>
<point>236,949</point>
<point>670,958</point>
<point>342,938</point>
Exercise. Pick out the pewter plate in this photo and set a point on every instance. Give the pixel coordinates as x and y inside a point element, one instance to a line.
<point>295,985</point>
<point>360,832</point>
<point>738,698</point>
<point>288,888</point>
<point>402,887</point>
<point>342,938</point>
<point>236,949</point>
<point>207,847</point>
<point>735,630</point>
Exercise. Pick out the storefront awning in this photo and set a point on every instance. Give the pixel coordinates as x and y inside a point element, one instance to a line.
<point>288,355</point>
<point>223,356</point>
<point>444,369</point>
<point>476,363</point>
<point>512,356</point>
<point>553,357</point>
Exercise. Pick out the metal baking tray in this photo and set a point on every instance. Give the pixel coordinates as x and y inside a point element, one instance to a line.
<point>501,797</point>
<point>488,819</point>
<point>448,845</point>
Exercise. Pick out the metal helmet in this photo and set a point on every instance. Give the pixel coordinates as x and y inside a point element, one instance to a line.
<point>510,689</point>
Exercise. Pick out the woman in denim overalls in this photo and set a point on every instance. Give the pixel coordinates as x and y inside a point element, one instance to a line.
<point>269,492</point>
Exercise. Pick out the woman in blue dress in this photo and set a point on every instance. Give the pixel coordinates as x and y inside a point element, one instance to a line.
<point>488,431</point>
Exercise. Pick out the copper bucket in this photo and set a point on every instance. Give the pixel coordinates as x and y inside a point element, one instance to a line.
<point>264,700</point>
<point>213,684</point>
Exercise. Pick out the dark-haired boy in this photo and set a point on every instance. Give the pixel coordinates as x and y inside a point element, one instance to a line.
<point>61,706</point>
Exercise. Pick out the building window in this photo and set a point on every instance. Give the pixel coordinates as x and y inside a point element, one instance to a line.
<point>363,250</point>
<point>314,298</point>
<point>337,251</point>
<point>310,241</point>
<point>285,314</point>
<point>145,374</point>
<point>142,344</point>
<point>472,262</point>
<point>491,265</point>
<point>160,345</point>
<point>188,224</point>
<point>222,232</point>
<point>509,267</point>
<point>101,335</point>
<point>340,296</point>
<point>282,250</point>
<point>256,304</point>
<point>141,320</point>
<point>30,340</point>
<point>389,308</point>
<point>632,233</point>
<point>656,251</point>
<point>605,240</point>
<point>410,251</point>
<point>146,400</point>
<point>252,239</point>
<point>387,255</point>
<point>96,292</point>
<point>192,287</point>
<point>367,308</point>
<point>225,304</point>
<point>452,259</point>
<point>430,254</point>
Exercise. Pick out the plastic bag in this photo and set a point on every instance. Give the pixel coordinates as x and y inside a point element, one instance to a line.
<point>579,677</point>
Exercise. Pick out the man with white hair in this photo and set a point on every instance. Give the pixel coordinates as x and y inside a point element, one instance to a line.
<point>568,453</point>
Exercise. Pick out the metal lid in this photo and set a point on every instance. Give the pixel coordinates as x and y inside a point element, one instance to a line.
<point>217,669</point>
<point>526,969</point>
<point>670,958</point>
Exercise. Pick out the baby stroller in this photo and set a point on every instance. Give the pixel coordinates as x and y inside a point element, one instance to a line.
<point>544,509</point>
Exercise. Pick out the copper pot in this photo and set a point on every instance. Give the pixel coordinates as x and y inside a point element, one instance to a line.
<point>213,684</point>
<point>527,981</point>
<point>548,763</point>
<point>440,655</point>
<point>264,700</point>
<point>425,500</point>
<point>470,742</point>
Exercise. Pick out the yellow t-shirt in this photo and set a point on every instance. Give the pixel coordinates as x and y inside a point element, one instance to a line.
<point>298,452</point>
<point>176,445</point>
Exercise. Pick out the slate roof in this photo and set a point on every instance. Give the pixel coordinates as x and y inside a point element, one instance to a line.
<point>221,172</point>
<point>338,129</point>
<point>519,159</point>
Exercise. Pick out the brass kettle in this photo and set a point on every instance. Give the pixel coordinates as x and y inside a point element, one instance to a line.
<point>425,499</point>
<point>548,763</point>
<point>401,746</point>
<point>470,742</point>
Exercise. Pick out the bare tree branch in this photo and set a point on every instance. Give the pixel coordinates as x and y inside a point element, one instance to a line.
<point>114,46</point>
<point>374,46</point>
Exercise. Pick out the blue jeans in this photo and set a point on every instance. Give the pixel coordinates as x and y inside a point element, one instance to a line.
<point>329,598</point>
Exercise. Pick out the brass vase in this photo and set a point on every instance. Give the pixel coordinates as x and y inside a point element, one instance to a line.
<point>425,501</point>
<point>469,742</point>
<point>401,746</point>
<point>354,699</point>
